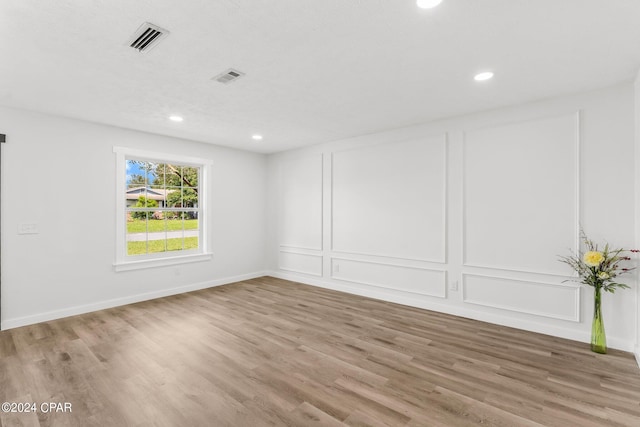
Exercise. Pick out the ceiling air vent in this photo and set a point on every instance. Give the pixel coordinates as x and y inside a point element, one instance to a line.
<point>228,76</point>
<point>147,36</point>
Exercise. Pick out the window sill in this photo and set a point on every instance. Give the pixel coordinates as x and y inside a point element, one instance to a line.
<point>161,262</point>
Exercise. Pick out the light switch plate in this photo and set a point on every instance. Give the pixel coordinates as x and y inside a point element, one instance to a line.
<point>28,228</point>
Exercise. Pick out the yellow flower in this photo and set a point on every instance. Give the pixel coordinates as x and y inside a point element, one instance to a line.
<point>603,275</point>
<point>593,258</point>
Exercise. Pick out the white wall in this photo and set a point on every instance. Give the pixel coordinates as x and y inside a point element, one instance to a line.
<point>637,193</point>
<point>59,173</point>
<point>484,203</point>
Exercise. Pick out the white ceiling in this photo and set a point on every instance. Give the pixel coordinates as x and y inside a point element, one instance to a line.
<point>315,70</point>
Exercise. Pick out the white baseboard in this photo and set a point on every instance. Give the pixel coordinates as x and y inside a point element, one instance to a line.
<point>637,354</point>
<point>399,298</point>
<point>81,309</point>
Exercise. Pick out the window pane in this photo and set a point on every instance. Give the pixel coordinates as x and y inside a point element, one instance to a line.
<point>154,199</point>
<point>175,238</point>
<point>191,220</point>
<point>191,230</point>
<point>190,197</point>
<point>137,232</point>
<point>159,171</point>
<point>149,169</point>
<point>133,194</point>
<point>183,231</point>
<point>170,215</point>
<point>172,175</point>
<point>142,197</point>
<point>164,196</point>
<point>157,232</point>
<point>174,197</point>
<point>136,181</point>
<point>190,176</point>
<point>135,174</point>
<point>191,225</point>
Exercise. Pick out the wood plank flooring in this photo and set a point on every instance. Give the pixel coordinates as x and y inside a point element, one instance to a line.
<point>272,352</point>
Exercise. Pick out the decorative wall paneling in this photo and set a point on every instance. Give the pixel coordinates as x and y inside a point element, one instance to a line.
<point>300,263</point>
<point>300,222</point>
<point>524,296</point>
<point>521,196</point>
<point>389,200</point>
<point>403,278</point>
<point>468,215</point>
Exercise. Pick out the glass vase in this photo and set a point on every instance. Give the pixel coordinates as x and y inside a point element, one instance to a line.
<point>598,337</point>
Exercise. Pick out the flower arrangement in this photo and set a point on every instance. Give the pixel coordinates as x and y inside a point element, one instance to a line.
<point>599,268</point>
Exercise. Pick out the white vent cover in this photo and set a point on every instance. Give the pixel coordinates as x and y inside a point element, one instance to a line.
<point>147,36</point>
<point>228,76</point>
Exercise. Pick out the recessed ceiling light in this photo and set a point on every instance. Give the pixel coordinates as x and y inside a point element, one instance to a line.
<point>428,4</point>
<point>176,118</point>
<point>257,137</point>
<point>480,77</point>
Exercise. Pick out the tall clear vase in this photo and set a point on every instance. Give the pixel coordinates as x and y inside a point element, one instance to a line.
<point>598,337</point>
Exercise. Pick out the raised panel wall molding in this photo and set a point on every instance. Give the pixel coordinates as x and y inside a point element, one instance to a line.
<point>561,132</point>
<point>310,232</point>
<point>299,249</point>
<point>431,282</point>
<point>508,269</point>
<point>288,246</point>
<point>553,297</point>
<point>303,263</point>
<point>443,262</point>
<point>385,151</point>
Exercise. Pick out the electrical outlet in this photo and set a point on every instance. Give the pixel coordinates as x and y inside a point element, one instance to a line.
<point>336,268</point>
<point>28,228</point>
<point>453,285</point>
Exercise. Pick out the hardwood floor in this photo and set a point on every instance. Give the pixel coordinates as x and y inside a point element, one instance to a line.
<point>271,352</point>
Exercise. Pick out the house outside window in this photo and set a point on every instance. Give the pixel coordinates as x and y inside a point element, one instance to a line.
<point>161,215</point>
<point>133,194</point>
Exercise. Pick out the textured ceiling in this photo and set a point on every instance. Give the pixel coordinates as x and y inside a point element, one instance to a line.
<point>315,70</point>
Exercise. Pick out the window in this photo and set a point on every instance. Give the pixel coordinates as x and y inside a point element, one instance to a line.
<point>161,209</point>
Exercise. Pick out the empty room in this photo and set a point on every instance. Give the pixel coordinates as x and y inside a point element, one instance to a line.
<point>336,213</point>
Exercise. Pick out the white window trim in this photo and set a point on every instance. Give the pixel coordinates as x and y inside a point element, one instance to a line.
<point>127,263</point>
